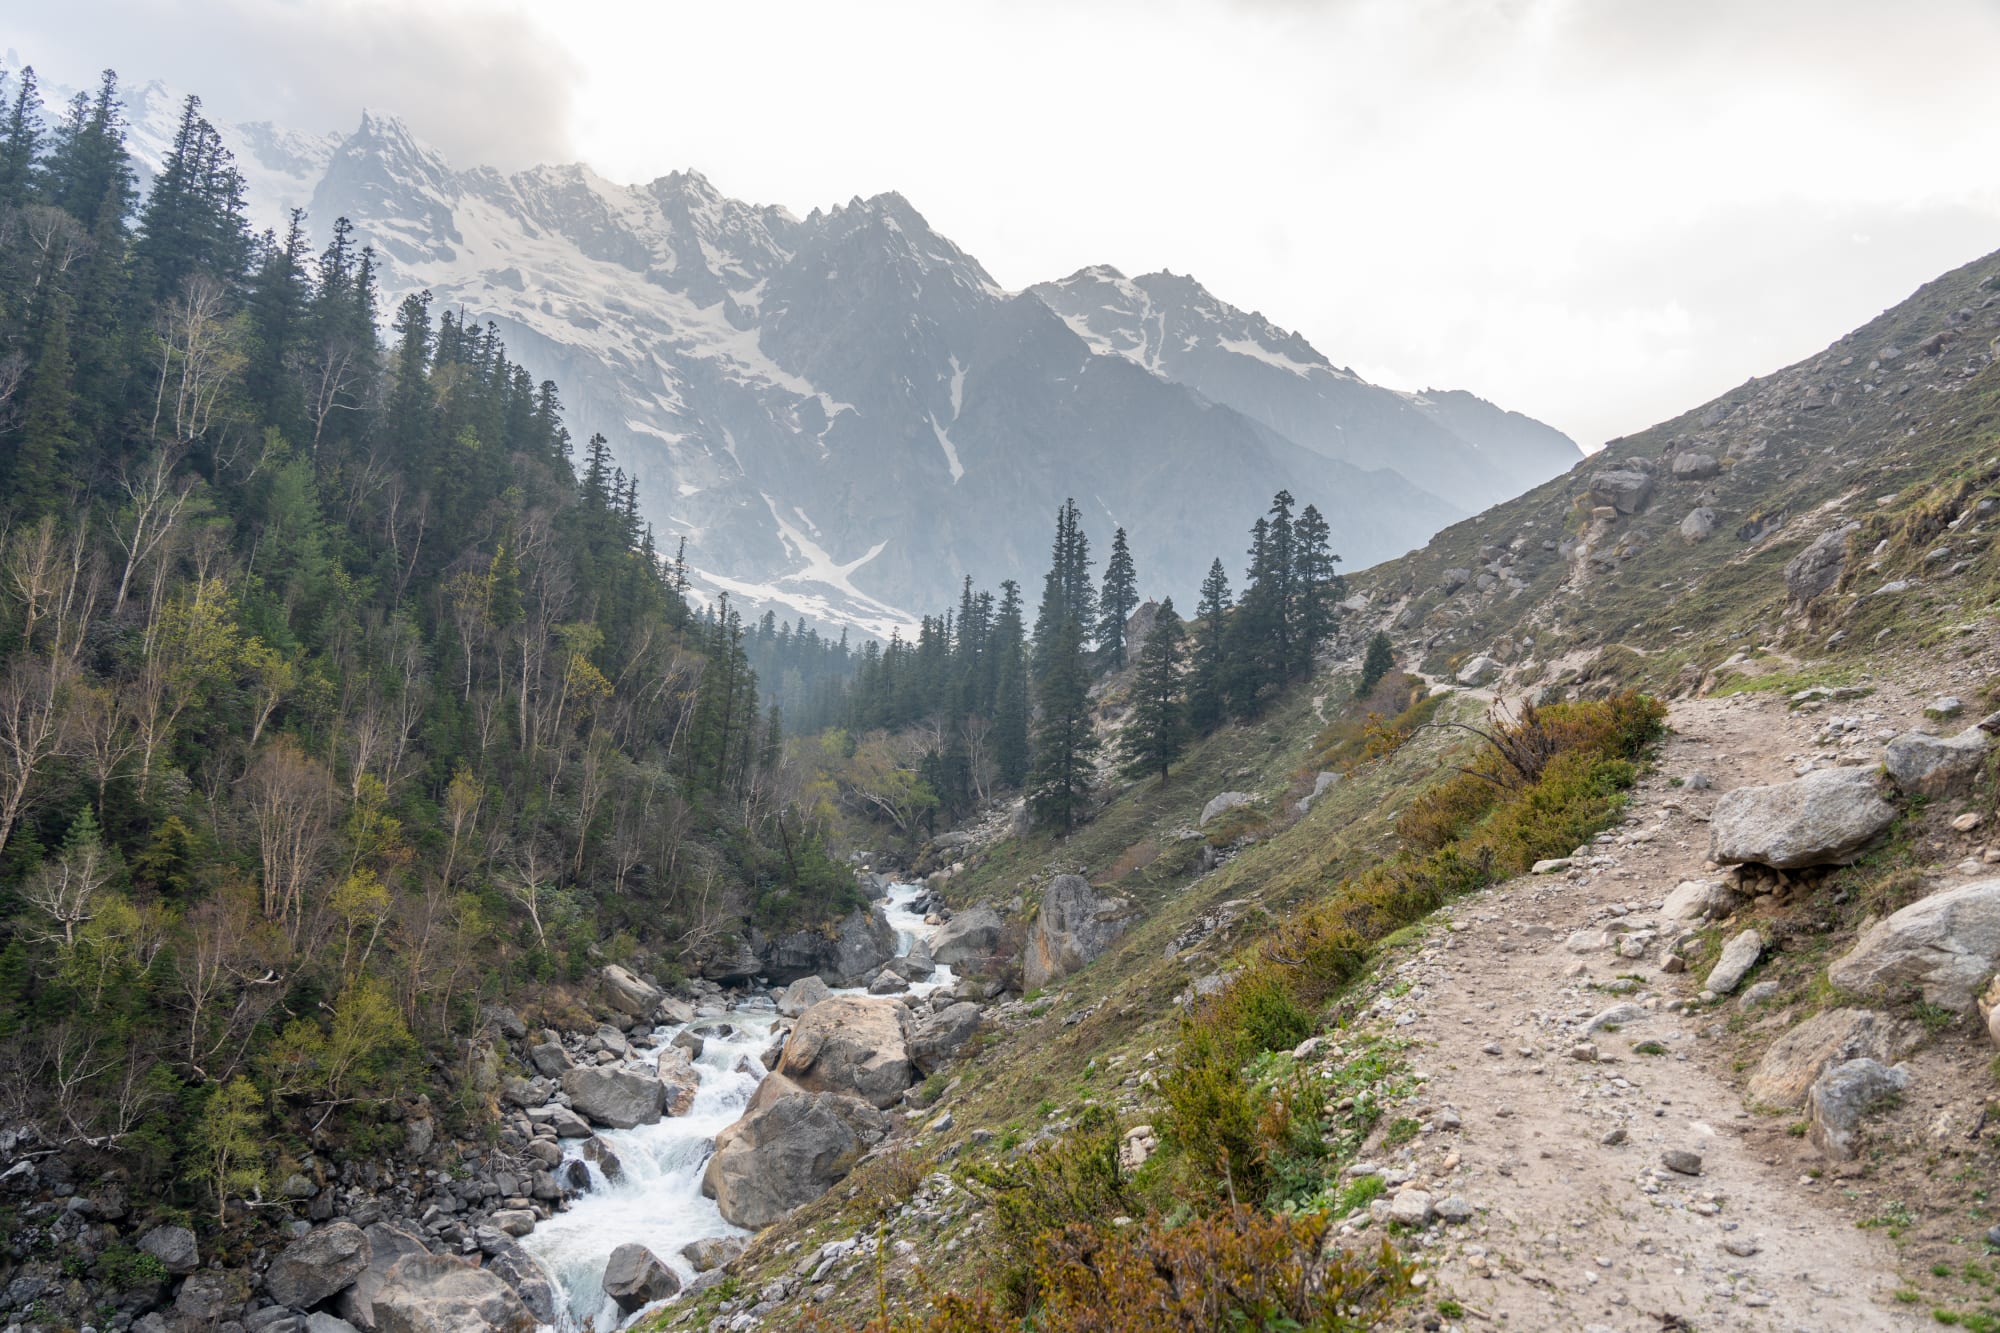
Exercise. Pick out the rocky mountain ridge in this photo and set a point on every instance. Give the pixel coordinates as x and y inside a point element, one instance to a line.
<point>844,414</point>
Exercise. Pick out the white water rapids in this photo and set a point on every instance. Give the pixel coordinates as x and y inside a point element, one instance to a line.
<point>657,1201</point>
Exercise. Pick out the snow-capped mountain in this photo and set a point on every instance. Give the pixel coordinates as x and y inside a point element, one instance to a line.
<point>1452,444</point>
<point>844,413</point>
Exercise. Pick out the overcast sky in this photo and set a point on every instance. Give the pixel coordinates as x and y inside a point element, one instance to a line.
<point>1599,212</point>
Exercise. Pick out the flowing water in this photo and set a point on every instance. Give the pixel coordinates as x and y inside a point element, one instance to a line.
<point>657,1201</point>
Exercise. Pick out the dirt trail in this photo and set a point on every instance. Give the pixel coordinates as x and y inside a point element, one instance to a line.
<point>1580,1225</point>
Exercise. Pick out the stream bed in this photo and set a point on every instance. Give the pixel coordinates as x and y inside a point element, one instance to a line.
<point>657,1200</point>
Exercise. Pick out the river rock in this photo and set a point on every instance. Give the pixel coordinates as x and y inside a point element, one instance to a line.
<point>1823,818</point>
<point>971,941</point>
<point>427,1293</point>
<point>1936,765</point>
<point>1948,944</point>
<point>388,1244</point>
<point>1817,568</point>
<point>790,1146</point>
<point>862,942</point>
<point>679,1080</point>
<point>712,1251</point>
<point>917,964</point>
<point>1624,489</point>
<point>935,1039</point>
<point>1796,1059</point>
<point>737,962</point>
<point>619,1098</point>
<point>802,995</point>
<point>634,1276</point>
<point>853,1046</point>
<point>1738,957</point>
<point>530,1281</point>
<point>550,1059</point>
<point>1842,1097</point>
<point>317,1265</point>
<point>628,994</point>
<point>174,1247</point>
<point>1072,930</point>
<point>1222,802</point>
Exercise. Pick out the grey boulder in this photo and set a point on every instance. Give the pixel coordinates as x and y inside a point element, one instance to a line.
<point>679,1080</point>
<point>1699,525</point>
<point>790,1147</point>
<point>1072,930</point>
<point>853,1046</point>
<point>628,994</point>
<point>1738,957</point>
<point>1223,802</point>
<point>1817,568</point>
<point>971,940</point>
<point>619,1098</point>
<point>1695,467</point>
<point>1823,818</point>
<point>174,1247</point>
<point>1947,945</point>
<point>1842,1097</point>
<point>1936,765</point>
<point>1624,489</point>
<point>802,995</point>
<point>634,1276</point>
<point>426,1293</point>
<point>388,1245</point>
<point>1796,1059</point>
<point>1481,670</point>
<point>317,1265</point>
<point>935,1039</point>
<point>712,1252</point>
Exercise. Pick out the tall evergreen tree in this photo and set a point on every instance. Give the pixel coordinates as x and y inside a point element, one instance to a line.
<point>1067,593</point>
<point>1010,703</point>
<point>1121,595</point>
<point>1156,732</point>
<point>1208,695</point>
<point>20,141</point>
<point>1065,742</point>
<point>1316,590</point>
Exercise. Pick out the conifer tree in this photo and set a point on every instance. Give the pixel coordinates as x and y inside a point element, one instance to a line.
<point>1010,702</point>
<point>1208,695</point>
<point>1121,595</point>
<point>1066,589</point>
<point>20,141</point>
<point>1379,662</point>
<point>1065,742</point>
<point>1156,732</point>
<point>1316,590</point>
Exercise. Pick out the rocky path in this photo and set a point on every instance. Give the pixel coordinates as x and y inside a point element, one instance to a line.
<point>1577,1074</point>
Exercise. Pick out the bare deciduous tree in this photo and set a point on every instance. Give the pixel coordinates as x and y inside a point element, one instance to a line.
<point>291,801</point>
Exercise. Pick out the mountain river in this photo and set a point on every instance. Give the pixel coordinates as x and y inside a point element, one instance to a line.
<point>657,1201</point>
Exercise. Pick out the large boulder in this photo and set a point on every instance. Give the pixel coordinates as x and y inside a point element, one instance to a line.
<point>1625,489</point>
<point>970,940</point>
<point>1699,900</point>
<point>1817,568</point>
<point>1695,467</point>
<point>1073,928</point>
<point>712,1251</point>
<point>1842,1097</point>
<point>735,962</point>
<point>679,1080</point>
<point>1833,1036</point>
<point>530,1281</point>
<point>174,1247</point>
<point>628,994</point>
<point>790,1147</point>
<point>1222,802</point>
<point>1936,765</point>
<point>1699,525</point>
<point>430,1293</point>
<point>802,995</point>
<point>1823,818</point>
<point>1738,957</point>
<point>634,1276</point>
<point>388,1245</point>
<point>1481,670</point>
<point>317,1265</point>
<point>935,1039</point>
<point>1947,944</point>
<point>851,1045</point>
<point>619,1098</point>
<point>861,943</point>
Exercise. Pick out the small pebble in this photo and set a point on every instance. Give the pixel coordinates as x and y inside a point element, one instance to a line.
<point>1614,1138</point>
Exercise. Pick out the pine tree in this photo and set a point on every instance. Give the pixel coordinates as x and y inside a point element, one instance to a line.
<point>1121,595</point>
<point>1156,733</point>
<point>1379,662</point>
<point>1208,695</point>
<point>1065,742</point>
<point>20,141</point>
<point>1010,699</point>
<point>1066,589</point>
<point>1316,590</point>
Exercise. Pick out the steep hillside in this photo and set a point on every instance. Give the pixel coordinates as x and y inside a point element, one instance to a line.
<point>1671,551</point>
